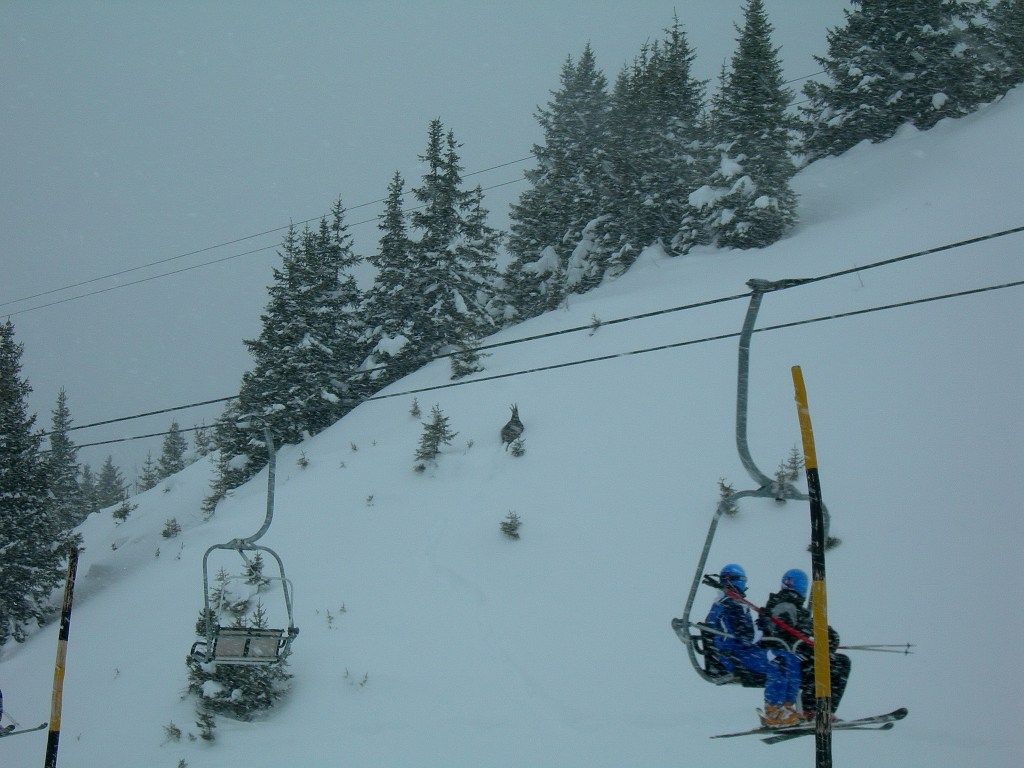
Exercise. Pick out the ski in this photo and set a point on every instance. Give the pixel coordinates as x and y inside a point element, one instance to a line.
<point>11,732</point>
<point>780,737</point>
<point>793,731</point>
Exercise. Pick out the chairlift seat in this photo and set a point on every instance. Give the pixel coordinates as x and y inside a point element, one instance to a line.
<point>704,646</point>
<point>247,645</point>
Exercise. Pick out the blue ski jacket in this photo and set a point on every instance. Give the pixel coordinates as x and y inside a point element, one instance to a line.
<point>733,619</point>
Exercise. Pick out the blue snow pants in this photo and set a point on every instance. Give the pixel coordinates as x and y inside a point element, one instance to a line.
<point>780,668</point>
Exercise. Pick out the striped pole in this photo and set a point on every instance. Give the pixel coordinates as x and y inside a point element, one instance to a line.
<point>62,652</point>
<point>819,598</point>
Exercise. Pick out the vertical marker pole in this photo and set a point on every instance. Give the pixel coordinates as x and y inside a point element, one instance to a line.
<point>62,652</point>
<point>819,598</point>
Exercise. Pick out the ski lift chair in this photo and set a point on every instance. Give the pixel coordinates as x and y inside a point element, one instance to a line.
<point>244,645</point>
<point>247,645</point>
<point>699,645</point>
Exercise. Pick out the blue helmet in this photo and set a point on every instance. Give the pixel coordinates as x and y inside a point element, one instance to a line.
<point>733,575</point>
<point>796,580</point>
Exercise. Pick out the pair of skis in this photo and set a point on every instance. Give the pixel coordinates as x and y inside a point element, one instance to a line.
<point>882,722</point>
<point>11,730</point>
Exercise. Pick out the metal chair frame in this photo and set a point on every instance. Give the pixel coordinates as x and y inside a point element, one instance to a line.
<point>248,645</point>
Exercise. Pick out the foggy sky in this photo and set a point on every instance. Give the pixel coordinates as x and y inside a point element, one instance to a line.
<point>139,131</point>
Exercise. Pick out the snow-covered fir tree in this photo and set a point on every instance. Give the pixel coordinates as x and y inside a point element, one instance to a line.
<point>202,439</point>
<point>238,691</point>
<point>475,254</point>
<point>150,474</point>
<point>311,343</point>
<point>549,219</point>
<point>387,302</point>
<point>172,454</point>
<point>87,484</point>
<point>61,463</point>
<point>894,62</point>
<point>748,202</point>
<point>436,433</point>
<point>254,572</point>
<point>32,537</point>
<point>654,154</point>
<point>110,487</point>
<point>453,271</point>
<point>1003,57</point>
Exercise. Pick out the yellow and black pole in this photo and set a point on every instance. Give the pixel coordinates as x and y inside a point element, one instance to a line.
<point>62,652</point>
<point>819,598</point>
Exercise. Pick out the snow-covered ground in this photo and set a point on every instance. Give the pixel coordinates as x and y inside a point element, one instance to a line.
<point>555,650</point>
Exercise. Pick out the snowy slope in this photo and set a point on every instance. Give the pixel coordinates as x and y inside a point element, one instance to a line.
<point>556,650</point>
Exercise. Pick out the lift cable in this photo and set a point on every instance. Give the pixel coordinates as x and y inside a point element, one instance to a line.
<point>617,355</point>
<point>615,321</point>
<point>235,242</point>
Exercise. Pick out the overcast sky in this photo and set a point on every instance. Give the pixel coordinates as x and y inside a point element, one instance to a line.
<point>133,132</point>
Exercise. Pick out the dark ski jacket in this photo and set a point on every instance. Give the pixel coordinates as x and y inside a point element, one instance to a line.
<point>788,606</point>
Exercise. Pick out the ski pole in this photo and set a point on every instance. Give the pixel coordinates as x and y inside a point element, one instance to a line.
<point>882,648</point>
<point>730,592</point>
<point>879,647</point>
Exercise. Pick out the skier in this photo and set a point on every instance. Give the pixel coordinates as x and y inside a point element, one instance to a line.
<point>787,605</point>
<point>736,649</point>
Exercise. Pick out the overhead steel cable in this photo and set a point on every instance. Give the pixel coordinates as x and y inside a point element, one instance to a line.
<point>226,243</point>
<point>616,355</point>
<point>615,321</point>
<point>210,263</point>
<point>265,232</point>
<point>641,315</point>
<point>481,348</point>
<point>917,254</point>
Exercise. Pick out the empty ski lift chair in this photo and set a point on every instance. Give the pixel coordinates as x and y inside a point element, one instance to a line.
<point>247,645</point>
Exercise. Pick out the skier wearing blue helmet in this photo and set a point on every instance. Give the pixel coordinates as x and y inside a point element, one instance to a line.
<point>787,605</point>
<point>733,638</point>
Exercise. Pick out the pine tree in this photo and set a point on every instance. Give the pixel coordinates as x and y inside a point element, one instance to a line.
<point>310,345</point>
<point>389,300</point>
<point>454,271</point>
<point>254,573</point>
<point>1003,57</point>
<point>150,474</point>
<point>61,466</point>
<point>510,525</point>
<point>794,464</point>
<point>894,62</point>
<point>87,485</point>
<point>123,510</point>
<point>31,534</point>
<point>436,433</point>
<point>655,152</point>
<point>203,441</point>
<point>726,500</point>
<point>748,202</point>
<point>110,487</point>
<point>549,219</point>
<point>172,455</point>
<point>240,692</point>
